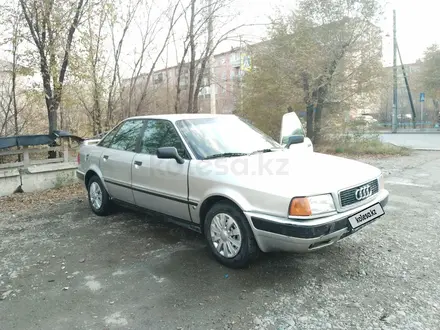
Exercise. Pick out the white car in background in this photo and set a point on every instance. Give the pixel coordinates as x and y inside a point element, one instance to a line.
<point>368,119</point>
<point>291,126</point>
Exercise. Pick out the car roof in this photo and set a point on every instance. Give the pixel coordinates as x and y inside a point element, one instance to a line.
<point>181,116</point>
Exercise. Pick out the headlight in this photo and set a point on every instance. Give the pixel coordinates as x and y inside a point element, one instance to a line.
<point>314,205</point>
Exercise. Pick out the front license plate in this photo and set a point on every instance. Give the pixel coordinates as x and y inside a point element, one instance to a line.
<point>361,218</point>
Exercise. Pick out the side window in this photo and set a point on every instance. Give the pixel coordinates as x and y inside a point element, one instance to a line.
<point>126,137</point>
<point>105,142</point>
<point>161,133</point>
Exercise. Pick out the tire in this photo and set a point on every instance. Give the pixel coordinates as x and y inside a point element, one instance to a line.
<point>221,213</point>
<point>104,207</point>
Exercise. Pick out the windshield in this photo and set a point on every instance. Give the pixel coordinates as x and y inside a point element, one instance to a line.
<point>223,135</point>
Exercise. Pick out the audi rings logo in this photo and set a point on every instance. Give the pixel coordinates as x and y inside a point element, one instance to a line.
<point>363,192</point>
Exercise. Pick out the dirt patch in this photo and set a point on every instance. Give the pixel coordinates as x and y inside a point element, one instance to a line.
<point>22,203</point>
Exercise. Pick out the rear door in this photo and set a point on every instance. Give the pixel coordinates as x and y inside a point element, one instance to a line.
<point>117,157</point>
<point>161,184</point>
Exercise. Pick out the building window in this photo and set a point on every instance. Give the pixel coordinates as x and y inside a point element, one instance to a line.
<point>158,78</point>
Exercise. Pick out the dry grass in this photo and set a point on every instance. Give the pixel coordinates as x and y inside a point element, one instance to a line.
<point>371,147</point>
<point>22,202</point>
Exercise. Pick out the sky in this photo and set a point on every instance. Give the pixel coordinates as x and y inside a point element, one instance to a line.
<point>417,27</point>
<point>418,24</point>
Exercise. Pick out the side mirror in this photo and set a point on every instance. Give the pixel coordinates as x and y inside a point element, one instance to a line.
<point>294,139</point>
<point>169,153</point>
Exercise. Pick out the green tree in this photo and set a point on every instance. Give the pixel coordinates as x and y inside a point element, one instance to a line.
<point>431,76</point>
<point>325,54</point>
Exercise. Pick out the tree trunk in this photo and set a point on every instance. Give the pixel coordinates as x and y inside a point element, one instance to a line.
<point>200,80</point>
<point>14,85</point>
<point>53,116</point>
<point>308,101</point>
<point>62,123</point>
<point>179,77</point>
<point>322,94</point>
<point>178,90</point>
<point>53,122</point>
<point>437,110</point>
<point>310,132</point>
<point>320,99</point>
<point>318,122</point>
<point>192,63</point>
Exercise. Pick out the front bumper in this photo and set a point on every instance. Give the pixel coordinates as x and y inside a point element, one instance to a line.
<point>282,234</point>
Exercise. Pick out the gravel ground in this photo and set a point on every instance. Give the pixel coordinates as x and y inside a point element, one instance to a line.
<point>64,268</point>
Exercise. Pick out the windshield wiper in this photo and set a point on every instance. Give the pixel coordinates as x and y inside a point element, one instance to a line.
<point>264,150</point>
<point>226,154</point>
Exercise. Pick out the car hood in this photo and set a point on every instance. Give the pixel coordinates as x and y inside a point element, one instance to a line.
<point>299,173</point>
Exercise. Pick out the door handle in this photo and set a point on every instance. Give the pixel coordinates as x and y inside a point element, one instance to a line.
<point>105,157</point>
<point>137,163</point>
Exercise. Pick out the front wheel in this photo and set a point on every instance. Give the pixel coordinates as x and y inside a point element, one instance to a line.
<point>99,199</point>
<point>229,236</point>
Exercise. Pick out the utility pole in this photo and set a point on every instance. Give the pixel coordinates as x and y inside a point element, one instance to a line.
<point>405,76</point>
<point>394,119</point>
<point>211,59</point>
<point>422,101</point>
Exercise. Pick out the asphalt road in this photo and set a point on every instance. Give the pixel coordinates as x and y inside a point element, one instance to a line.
<point>414,140</point>
<point>64,268</point>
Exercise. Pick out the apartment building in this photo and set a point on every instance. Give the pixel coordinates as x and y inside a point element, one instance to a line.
<point>231,66</point>
<point>160,96</point>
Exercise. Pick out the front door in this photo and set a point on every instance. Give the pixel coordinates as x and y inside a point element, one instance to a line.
<point>161,184</point>
<point>117,158</point>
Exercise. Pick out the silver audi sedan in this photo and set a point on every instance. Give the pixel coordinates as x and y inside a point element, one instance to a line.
<point>221,176</point>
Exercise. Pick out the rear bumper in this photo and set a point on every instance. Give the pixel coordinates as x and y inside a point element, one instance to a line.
<point>80,175</point>
<point>282,234</point>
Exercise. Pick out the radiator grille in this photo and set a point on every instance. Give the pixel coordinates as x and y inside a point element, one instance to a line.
<point>348,197</point>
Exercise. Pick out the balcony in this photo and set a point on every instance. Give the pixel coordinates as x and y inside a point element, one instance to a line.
<point>235,62</point>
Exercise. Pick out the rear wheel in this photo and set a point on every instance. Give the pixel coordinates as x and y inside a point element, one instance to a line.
<point>99,199</point>
<point>229,236</point>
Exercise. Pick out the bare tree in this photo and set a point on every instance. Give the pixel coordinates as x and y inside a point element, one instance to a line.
<point>16,103</point>
<point>90,64</point>
<point>46,22</point>
<point>124,22</point>
<point>13,17</point>
<point>173,16</point>
<point>198,20</point>
<point>6,109</point>
<point>149,29</point>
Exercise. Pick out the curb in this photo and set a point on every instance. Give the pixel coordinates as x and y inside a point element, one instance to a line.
<point>425,149</point>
